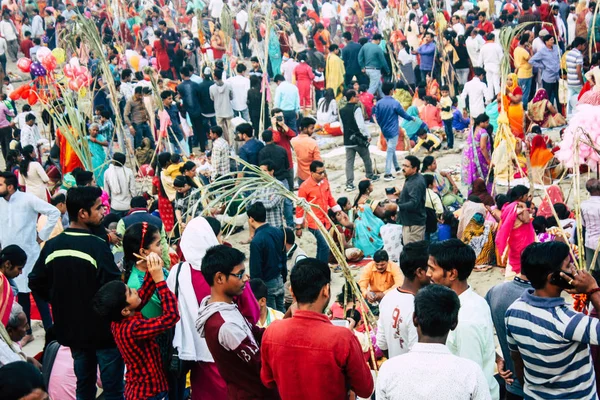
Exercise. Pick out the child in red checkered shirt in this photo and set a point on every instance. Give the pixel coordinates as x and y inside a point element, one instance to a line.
<point>134,335</point>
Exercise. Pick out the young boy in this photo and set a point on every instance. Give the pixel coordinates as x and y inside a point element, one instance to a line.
<point>136,336</point>
<point>232,341</point>
<point>446,107</point>
<point>319,83</point>
<point>267,314</point>
<point>366,99</point>
<point>26,44</point>
<point>427,140</point>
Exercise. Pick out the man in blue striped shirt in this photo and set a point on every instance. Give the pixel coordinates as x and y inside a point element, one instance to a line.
<point>548,341</point>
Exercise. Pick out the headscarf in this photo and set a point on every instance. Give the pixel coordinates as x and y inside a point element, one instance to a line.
<point>480,190</point>
<point>540,155</point>
<point>197,238</point>
<point>556,196</point>
<point>503,235</point>
<point>469,210</point>
<point>505,98</point>
<point>540,95</point>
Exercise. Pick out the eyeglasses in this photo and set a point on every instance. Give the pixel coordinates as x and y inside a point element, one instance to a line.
<point>240,275</point>
<point>320,173</point>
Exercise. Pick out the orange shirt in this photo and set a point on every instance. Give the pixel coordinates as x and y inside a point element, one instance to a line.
<point>307,151</point>
<point>318,194</point>
<point>372,280</point>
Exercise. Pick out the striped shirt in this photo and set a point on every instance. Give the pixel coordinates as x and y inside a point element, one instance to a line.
<point>590,211</point>
<point>553,341</point>
<point>573,59</point>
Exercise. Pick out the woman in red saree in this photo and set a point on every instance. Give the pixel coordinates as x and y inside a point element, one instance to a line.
<point>12,261</point>
<point>540,157</point>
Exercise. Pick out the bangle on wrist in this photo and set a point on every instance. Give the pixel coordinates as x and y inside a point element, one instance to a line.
<point>591,292</point>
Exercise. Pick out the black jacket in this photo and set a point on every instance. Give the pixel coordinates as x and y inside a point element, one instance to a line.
<point>411,204</point>
<point>190,93</point>
<point>350,58</point>
<point>71,268</point>
<point>206,103</point>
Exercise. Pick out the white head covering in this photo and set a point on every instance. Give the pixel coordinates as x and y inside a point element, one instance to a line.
<point>197,237</point>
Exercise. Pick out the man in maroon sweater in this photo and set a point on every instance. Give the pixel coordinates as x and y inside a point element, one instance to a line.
<point>307,357</point>
<point>231,339</point>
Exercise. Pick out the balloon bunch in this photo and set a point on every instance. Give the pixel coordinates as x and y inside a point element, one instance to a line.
<point>79,75</point>
<point>25,92</point>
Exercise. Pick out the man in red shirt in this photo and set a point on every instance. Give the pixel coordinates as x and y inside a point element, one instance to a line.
<point>334,349</point>
<point>27,44</point>
<point>316,191</point>
<point>484,24</point>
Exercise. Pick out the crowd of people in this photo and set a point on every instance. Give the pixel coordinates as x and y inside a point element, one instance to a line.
<point>142,289</point>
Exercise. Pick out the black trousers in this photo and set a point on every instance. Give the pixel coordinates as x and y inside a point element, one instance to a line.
<point>5,138</point>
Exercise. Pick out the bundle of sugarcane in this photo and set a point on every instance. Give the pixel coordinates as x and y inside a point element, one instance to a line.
<point>88,32</point>
<point>229,190</point>
<point>255,31</point>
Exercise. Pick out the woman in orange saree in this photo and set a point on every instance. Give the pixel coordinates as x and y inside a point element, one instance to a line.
<point>540,157</point>
<point>513,105</point>
<point>68,157</point>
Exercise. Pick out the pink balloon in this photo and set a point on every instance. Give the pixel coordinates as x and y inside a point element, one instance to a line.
<point>74,62</point>
<point>69,71</point>
<point>24,64</point>
<point>42,53</point>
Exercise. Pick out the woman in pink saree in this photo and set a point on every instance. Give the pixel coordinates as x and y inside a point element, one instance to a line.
<point>12,261</point>
<point>515,233</point>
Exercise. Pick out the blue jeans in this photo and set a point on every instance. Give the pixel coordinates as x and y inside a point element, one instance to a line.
<point>525,85</point>
<point>322,246</point>
<point>291,120</point>
<point>374,81</point>
<point>552,90</point>
<point>449,132</point>
<point>199,134</point>
<point>244,114</point>
<point>112,368</point>
<point>390,155</point>
<point>424,74</point>
<point>275,294</point>
<point>141,131</point>
<point>288,206</point>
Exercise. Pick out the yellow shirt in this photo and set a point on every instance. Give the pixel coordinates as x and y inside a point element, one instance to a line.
<point>372,280</point>
<point>524,69</point>
<point>430,137</point>
<point>446,102</point>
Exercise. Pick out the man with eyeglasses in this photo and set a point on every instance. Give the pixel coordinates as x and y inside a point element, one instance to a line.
<point>316,191</point>
<point>227,332</point>
<point>411,203</point>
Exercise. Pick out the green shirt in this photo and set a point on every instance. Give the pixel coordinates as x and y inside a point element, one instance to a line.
<point>153,308</point>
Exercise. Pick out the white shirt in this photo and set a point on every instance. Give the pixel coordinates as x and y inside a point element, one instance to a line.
<point>242,19</point>
<point>328,11</point>
<point>476,91</point>
<point>344,11</point>
<point>459,29</point>
<point>3,47</point>
<point>590,212</point>
<point>30,135</point>
<point>8,31</point>
<point>430,371</point>
<point>396,332</point>
<point>287,69</point>
<point>392,240</point>
<point>216,7</point>
<point>239,86</point>
<point>383,20</point>
<point>474,48</point>
<point>537,44</point>
<point>490,57</point>
<point>18,218</point>
<point>37,27</point>
<point>119,184</point>
<point>473,337</point>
